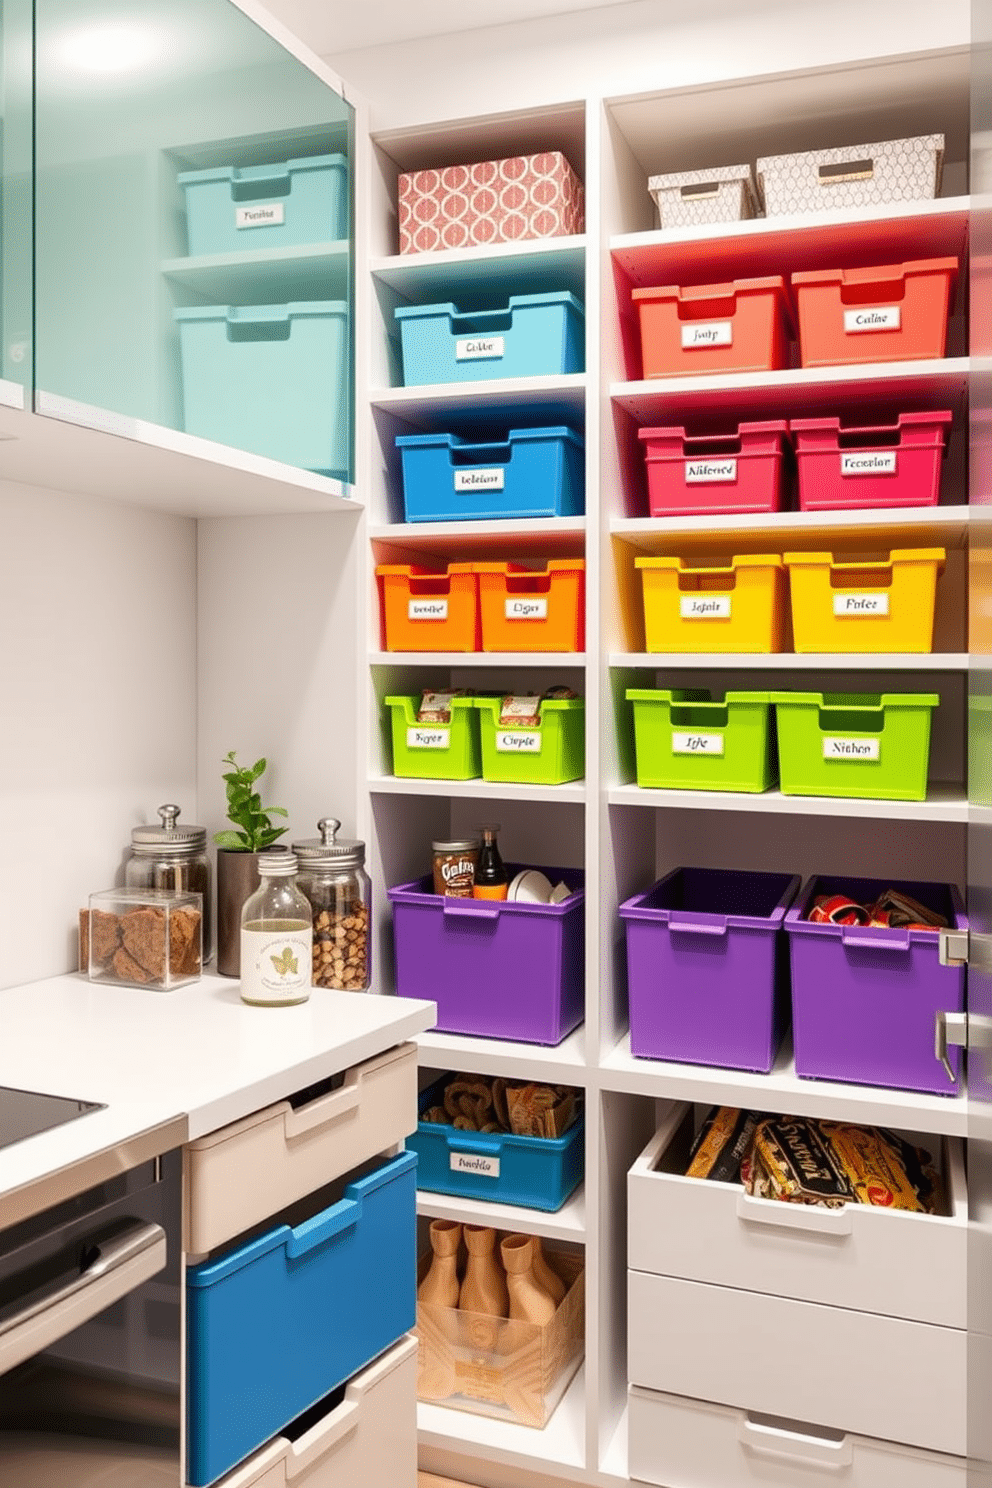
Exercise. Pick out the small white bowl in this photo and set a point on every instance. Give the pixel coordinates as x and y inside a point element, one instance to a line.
<point>530,887</point>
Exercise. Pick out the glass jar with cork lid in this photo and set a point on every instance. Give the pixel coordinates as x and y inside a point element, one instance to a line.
<point>172,857</point>
<point>333,878</point>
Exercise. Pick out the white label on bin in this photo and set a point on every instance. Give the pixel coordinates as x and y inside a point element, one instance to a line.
<point>708,333</point>
<point>696,743</point>
<point>861,604</point>
<point>705,607</point>
<point>868,462</point>
<point>698,472</point>
<point>428,738</point>
<point>835,748</point>
<point>526,608</point>
<point>873,318</point>
<point>480,480</point>
<point>518,741</point>
<point>474,1163</point>
<point>480,348</point>
<point>272,214</point>
<point>427,609</point>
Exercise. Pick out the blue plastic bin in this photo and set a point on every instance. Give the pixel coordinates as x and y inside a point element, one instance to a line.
<point>532,473</point>
<point>266,206</point>
<point>270,379</point>
<point>281,1320</point>
<point>538,335</point>
<point>536,1172</point>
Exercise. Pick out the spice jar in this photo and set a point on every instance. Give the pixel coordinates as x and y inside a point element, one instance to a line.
<point>454,867</point>
<point>172,857</point>
<point>333,878</point>
<point>276,938</point>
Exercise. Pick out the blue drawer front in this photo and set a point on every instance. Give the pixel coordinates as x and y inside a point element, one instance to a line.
<point>277,206</point>
<point>281,1320</point>
<point>533,473</point>
<point>535,336</point>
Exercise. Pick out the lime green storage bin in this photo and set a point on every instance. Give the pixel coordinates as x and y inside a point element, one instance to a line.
<point>855,744</point>
<point>688,739</point>
<point>550,755</point>
<point>435,751</point>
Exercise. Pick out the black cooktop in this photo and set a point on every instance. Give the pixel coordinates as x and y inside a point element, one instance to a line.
<point>25,1113</point>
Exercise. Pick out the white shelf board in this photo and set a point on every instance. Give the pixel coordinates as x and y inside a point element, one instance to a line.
<point>948,523</point>
<point>397,785</point>
<point>561,1442</point>
<point>530,267</point>
<point>615,1458</point>
<point>782,1090</point>
<point>524,394</point>
<point>945,803</point>
<point>11,396</point>
<point>569,1223</point>
<point>534,537</point>
<point>313,271</point>
<point>790,661</point>
<point>563,1063</point>
<point>557,659</point>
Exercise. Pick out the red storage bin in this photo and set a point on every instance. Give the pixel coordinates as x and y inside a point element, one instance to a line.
<point>870,465</point>
<point>722,474</point>
<point>701,328</point>
<point>897,313</point>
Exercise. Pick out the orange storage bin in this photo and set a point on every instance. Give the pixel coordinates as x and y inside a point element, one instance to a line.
<point>700,328</point>
<point>423,610</point>
<point>527,609</point>
<point>897,313</point>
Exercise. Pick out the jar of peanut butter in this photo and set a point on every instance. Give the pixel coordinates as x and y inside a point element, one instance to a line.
<point>454,867</point>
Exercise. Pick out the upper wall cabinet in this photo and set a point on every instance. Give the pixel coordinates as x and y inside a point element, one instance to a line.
<point>193,222</point>
<point>15,201</point>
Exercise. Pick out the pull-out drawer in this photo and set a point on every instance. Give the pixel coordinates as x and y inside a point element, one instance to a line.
<point>368,1441</point>
<point>848,1371</point>
<point>699,1445</point>
<point>869,1259</point>
<point>241,1174</point>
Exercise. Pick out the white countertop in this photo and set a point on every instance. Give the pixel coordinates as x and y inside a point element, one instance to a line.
<point>198,1053</point>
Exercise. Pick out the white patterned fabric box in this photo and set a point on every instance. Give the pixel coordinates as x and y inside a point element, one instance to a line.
<point>691,198</point>
<point>493,201</point>
<point>852,175</point>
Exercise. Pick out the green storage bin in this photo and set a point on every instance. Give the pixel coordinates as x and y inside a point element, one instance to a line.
<point>435,751</point>
<point>511,755</point>
<point>855,744</point>
<point>734,748</point>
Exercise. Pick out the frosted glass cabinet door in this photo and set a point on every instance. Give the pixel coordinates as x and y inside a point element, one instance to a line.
<point>15,200</point>
<point>193,229</point>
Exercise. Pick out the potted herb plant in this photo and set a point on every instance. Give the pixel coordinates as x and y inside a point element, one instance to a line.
<point>237,855</point>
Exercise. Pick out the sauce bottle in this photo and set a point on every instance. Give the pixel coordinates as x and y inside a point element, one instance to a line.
<point>491,878</point>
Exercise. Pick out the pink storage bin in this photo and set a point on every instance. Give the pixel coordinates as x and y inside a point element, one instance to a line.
<point>870,465</point>
<point>723,474</point>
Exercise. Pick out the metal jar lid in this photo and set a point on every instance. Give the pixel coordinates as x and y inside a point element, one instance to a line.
<point>169,840</point>
<point>329,850</point>
<point>464,844</point>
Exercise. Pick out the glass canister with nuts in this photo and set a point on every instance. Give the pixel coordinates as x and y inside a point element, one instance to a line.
<point>333,878</point>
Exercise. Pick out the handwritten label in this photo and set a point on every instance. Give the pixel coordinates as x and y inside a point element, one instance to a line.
<point>705,607</point>
<point>709,333</point>
<point>480,348</point>
<point>480,480</point>
<point>696,743</point>
<point>868,462</point>
<point>835,748</point>
<point>699,472</point>
<point>427,609</point>
<point>272,214</point>
<point>428,738</point>
<point>474,1162</point>
<point>526,608</point>
<point>518,741</point>
<point>878,318</point>
<point>861,604</point>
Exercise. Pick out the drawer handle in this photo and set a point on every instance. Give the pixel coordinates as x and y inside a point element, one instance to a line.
<point>470,909</point>
<point>324,1110</point>
<point>714,925</point>
<point>794,1216</point>
<point>877,940</point>
<point>322,1438</point>
<point>323,1227</point>
<point>776,1441</point>
<point>482,1145</point>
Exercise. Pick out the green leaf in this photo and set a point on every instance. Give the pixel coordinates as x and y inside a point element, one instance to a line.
<point>276,811</point>
<point>269,835</point>
<point>233,841</point>
<point>258,768</point>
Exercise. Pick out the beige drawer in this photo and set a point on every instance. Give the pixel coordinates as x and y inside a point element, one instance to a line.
<point>369,1441</point>
<point>848,1371</point>
<point>870,1259</point>
<point>241,1174</point>
<point>699,1445</point>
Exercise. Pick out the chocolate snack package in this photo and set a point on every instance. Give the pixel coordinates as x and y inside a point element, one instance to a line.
<point>723,1143</point>
<point>800,1163</point>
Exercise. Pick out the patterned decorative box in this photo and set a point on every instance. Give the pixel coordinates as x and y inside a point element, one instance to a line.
<point>691,198</point>
<point>493,201</point>
<point>852,175</point>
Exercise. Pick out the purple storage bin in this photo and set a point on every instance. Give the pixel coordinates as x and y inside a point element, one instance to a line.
<point>707,967</point>
<point>865,1002</point>
<point>495,969</point>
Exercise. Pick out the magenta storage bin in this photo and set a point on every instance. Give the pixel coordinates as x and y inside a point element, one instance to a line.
<point>842,468</point>
<point>707,967</point>
<point>495,969</point>
<point>691,475</point>
<point>865,1003</point>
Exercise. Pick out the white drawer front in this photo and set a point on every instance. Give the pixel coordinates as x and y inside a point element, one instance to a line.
<point>872,1260</point>
<point>699,1445</point>
<point>255,1167</point>
<point>849,1371</point>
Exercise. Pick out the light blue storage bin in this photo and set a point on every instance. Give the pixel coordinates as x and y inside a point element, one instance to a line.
<point>538,335</point>
<point>283,1319</point>
<point>270,379</point>
<point>532,473</point>
<point>229,210</point>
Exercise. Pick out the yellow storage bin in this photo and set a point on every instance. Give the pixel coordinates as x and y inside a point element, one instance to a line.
<point>715,606</point>
<point>881,604</point>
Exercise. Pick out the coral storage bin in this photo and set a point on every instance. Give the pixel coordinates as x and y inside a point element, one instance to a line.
<point>229,210</point>
<point>722,474</point>
<point>496,969</point>
<point>867,1003</point>
<point>537,335</point>
<point>707,980</point>
<point>285,1317</point>
<point>532,473</point>
<point>689,739</point>
<point>272,379</point>
<point>870,465</point>
<point>737,327</point>
<point>735,606</point>
<point>552,754</point>
<point>435,751</point>
<point>897,313</point>
<point>882,605</point>
<point>423,610</point>
<point>872,745</point>
<point>526,609</point>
